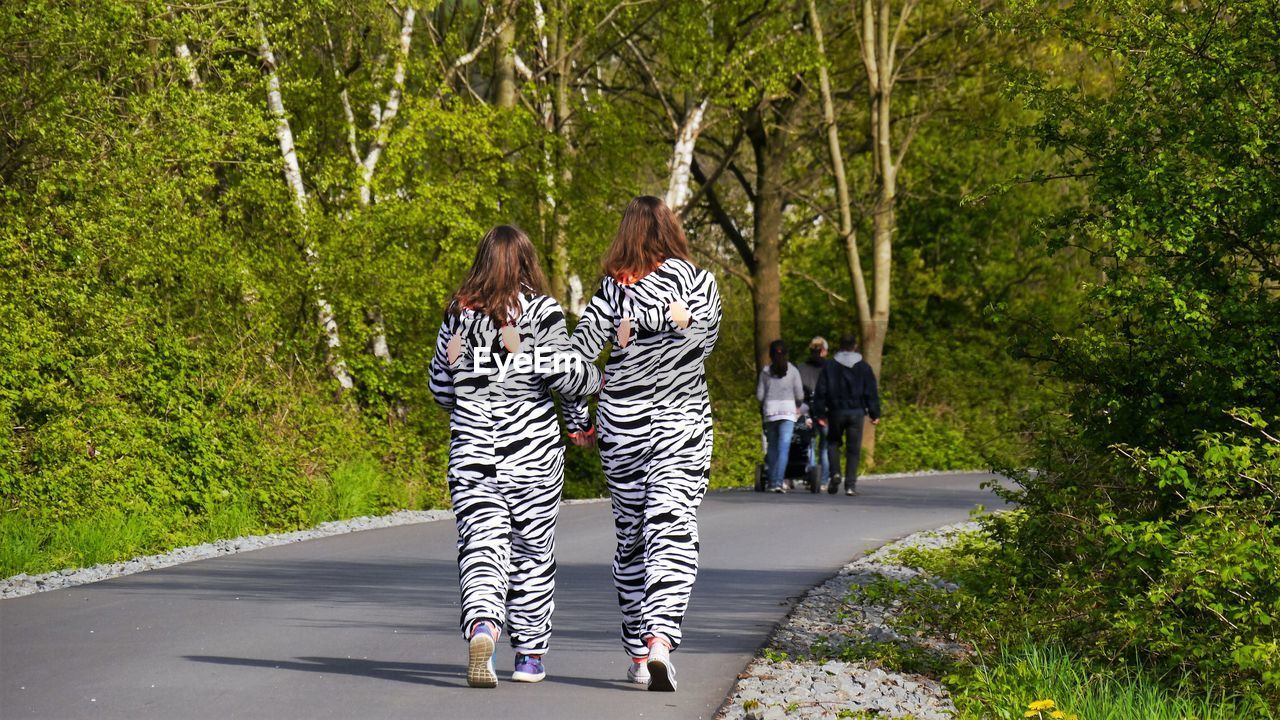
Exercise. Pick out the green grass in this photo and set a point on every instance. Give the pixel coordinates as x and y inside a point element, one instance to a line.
<point>31,544</point>
<point>1019,660</point>
<point>21,543</point>
<point>354,489</point>
<point>1001,687</point>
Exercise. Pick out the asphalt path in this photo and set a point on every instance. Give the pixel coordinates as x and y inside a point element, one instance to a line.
<point>364,625</point>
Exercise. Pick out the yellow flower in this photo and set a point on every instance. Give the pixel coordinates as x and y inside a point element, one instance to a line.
<point>1057,715</point>
<point>1042,705</point>
<point>1031,713</point>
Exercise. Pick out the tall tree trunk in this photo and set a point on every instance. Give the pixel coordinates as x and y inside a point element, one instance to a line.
<point>504,68</point>
<point>563,162</point>
<point>682,157</point>
<point>878,44</point>
<point>766,283</point>
<point>293,177</point>
<point>766,280</point>
<point>383,119</point>
<point>848,233</point>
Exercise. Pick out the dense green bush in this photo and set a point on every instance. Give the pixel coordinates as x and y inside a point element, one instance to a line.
<point>1177,559</point>
<point>1151,526</point>
<point>1023,640</point>
<point>914,437</point>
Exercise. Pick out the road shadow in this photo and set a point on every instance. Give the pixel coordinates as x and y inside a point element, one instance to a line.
<point>434,674</point>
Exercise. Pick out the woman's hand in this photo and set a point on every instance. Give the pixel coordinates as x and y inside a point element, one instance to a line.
<point>624,332</point>
<point>454,348</point>
<point>510,338</point>
<point>584,438</point>
<point>679,314</point>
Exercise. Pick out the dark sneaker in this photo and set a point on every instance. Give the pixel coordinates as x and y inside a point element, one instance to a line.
<point>480,670</point>
<point>851,490</point>
<point>529,669</point>
<point>833,487</point>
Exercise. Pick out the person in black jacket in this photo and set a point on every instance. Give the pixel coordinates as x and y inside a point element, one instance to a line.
<point>845,395</point>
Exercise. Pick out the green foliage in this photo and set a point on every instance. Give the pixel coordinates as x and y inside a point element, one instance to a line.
<point>916,437</point>
<point>1020,653</point>
<point>1176,555</point>
<point>1004,684</point>
<point>1151,529</point>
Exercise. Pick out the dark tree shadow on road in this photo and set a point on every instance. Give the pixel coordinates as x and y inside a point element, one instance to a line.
<point>436,674</point>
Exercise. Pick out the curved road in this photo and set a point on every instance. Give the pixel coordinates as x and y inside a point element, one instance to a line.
<point>364,625</point>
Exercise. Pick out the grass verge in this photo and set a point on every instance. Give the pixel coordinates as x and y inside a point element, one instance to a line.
<point>1012,670</point>
<point>33,544</point>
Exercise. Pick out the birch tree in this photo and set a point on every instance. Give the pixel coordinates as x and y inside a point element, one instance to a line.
<point>385,115</point>
<point>293,178</point>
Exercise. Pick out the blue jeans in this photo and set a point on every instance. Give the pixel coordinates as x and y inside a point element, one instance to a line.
<point>818,451</point>
<point>777,435</point>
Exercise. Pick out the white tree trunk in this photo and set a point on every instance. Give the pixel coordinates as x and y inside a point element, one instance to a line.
<point>378,343</point>
<point>188,64</point>
<point>682,158</point>
<point>577,300</point>
<point>382,128</point>
<point>284,134</point>
<point>293,176</point>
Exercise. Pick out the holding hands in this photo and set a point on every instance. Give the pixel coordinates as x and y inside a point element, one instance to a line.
<point>584,438</point>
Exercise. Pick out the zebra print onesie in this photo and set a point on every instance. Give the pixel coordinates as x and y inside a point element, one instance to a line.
<point>506,463</point>
<point>655,438</point>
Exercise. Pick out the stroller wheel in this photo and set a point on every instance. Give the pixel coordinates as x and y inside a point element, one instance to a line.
<point>812,475</point>
<point>760,479</point>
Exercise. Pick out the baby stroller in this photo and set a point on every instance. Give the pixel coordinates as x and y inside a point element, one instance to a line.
<point>798,466</point>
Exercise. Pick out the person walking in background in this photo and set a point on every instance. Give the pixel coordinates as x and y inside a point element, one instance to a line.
<point>809,371</point>
<point>506,457</point>
<point>780,393</point>
<point>845,395</point>
<point>661,314</point>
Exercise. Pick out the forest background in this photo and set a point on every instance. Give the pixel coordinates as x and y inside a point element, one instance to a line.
<point>228,231</point>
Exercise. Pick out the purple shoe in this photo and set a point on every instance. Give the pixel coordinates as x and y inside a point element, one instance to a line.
<point>528,669</point>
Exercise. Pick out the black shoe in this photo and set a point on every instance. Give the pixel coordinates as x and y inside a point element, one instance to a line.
<point>833,487</point>
<point>850,490</point>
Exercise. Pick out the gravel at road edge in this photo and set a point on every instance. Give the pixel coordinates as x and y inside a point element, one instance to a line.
<point>801,689</point>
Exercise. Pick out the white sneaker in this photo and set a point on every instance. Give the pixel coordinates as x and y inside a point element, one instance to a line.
<point>638,673</point>
<point>480,670</point>
<point>662,674</point>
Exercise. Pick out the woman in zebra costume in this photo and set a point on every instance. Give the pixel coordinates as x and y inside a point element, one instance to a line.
<point>501,349</point>
<point>661,316</point>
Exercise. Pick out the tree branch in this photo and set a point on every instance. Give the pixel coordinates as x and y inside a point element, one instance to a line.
<point>724,220</point>
<point>383,126</point>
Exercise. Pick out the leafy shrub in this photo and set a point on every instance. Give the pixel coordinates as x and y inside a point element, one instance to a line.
<point>1172,554</point>
<point>911,437</point>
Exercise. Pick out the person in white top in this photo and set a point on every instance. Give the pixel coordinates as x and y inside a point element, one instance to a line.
<point>780,392</point>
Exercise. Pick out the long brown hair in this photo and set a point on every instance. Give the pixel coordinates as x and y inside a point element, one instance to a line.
<point>505,264</point>
<point>649,233</point>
